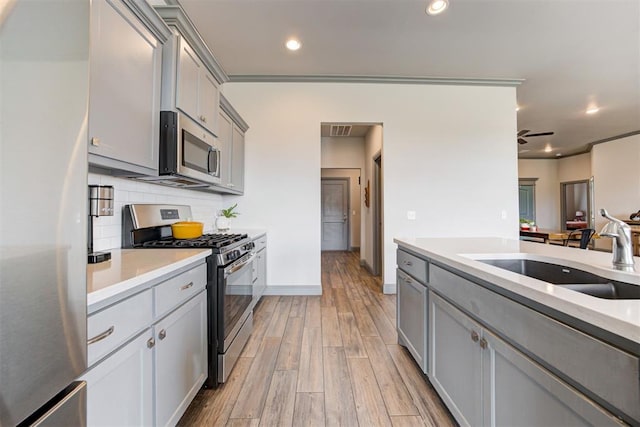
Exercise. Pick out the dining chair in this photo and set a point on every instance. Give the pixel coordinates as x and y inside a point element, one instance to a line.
<point>586,234</point>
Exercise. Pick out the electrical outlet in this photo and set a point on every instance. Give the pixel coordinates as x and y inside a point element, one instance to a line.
<point>504,214</point>
<point>411,215</point>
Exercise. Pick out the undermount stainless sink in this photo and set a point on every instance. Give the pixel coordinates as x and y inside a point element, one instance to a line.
<point>569,278</point>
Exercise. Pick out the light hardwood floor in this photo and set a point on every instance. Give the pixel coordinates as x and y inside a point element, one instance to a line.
<point>324,360</point>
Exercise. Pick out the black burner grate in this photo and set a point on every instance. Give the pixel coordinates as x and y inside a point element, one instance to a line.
<point>205,241</point>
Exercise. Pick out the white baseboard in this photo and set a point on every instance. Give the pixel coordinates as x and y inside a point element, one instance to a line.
<point>293,290</point>
<point>389,288</point>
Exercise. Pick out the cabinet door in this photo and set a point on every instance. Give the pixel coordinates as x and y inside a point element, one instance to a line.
<point>412,317</point>
<point>518,391</point>
<point>187,88</point>
<point>120,388</point>
<point>208,101</point>
<point>261,283</point>
<point>237,160</point>
<point>180,359</point>
<point>124,101</point>
<point>225,133</point>
<point>455,357</point>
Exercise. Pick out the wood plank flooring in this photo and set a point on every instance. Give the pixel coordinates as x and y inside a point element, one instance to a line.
<point>324,361</point>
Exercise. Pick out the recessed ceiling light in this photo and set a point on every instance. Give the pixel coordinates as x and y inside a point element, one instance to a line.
<point>437,6</point>
<point>558,154</point>
<point>517,108</point>
<point>293,44</point>
<point>592,110</point>
<point>548,149</point>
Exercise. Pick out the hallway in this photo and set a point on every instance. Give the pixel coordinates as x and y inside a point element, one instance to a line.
<point>324,360</point>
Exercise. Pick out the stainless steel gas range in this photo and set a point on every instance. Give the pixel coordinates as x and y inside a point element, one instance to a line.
<point>231,273</point>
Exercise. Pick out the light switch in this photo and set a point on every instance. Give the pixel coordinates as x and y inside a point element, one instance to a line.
<point>411,215</point>
<point>504,214</point>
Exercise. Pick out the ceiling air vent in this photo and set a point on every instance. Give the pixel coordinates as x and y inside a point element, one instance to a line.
<point>340,130</point>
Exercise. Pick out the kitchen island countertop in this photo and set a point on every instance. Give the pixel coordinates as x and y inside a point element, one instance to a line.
<point>620,317</point>
<point>130,269</point>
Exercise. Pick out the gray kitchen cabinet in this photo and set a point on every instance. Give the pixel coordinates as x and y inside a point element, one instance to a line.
<point>456,361</point>
<point>260,283</point>
<point>412,315</point>
<point>180,359</point>
<point>124,102</point>
<point>197,91</point>
<point>149,352</point>
<point>191,74</point>
<point>231,138</point>
<point>485,381</point>
<point>120,389</point>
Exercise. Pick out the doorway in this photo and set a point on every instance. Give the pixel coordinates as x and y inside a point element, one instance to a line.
<point>334,214</point>
<point>575,205</point>
<point>527,198</point>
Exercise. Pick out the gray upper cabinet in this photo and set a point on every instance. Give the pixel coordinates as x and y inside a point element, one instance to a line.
<point>197,92</point>
<point>124,102</point>
<point>191,74</point>
<point>231,138</point>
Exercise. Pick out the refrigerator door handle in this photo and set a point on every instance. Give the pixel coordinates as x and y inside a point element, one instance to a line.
<point>101,336</point>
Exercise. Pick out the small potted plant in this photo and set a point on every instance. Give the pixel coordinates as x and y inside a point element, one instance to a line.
<point>525,224</point>
<point>224,217</point>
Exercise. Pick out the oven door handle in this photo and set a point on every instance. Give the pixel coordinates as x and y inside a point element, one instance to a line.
<point>235,268</point>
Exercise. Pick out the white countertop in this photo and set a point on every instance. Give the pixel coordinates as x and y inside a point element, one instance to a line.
<point>621,317</point>
<point>131,268</point>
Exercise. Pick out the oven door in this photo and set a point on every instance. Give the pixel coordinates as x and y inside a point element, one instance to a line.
<point>236,294</point>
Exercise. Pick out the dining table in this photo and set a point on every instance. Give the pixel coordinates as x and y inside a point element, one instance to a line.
<point>544,236</point>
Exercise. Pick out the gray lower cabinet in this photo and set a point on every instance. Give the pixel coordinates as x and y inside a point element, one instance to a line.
<point>485,381</point>
<point>412,310</point>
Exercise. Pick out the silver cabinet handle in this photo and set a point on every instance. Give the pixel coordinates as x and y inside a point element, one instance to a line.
<point>187,286</point>
<point>408,263</point>
<point>483,343</point>
<point>101,336</point>
<point>474,336</point>
<point>151,342</point>
<point>162,334</point>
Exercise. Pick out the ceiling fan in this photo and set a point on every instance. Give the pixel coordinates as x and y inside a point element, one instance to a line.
<point>524,133</point>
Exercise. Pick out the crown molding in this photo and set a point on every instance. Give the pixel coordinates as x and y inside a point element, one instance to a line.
<point>259,78</point>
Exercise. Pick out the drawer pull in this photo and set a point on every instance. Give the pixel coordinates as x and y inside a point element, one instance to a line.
<point>162,334</point>
<point>408,263</point>
<point>187,286</point>
<point>474,336</point>
<point>101,336</point>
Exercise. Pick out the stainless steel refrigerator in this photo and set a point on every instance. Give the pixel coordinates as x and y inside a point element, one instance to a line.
<point>44,69</point>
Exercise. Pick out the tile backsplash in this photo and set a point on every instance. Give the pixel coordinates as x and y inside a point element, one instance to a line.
<point>107,229</point>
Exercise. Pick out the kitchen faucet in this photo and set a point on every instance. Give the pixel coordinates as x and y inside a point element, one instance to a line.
<point>621,235</point>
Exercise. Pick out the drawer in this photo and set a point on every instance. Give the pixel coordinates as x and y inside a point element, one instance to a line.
<point>261,243</point>
<point>178,289</point>
<point>109,328</point>
<point>416,267</point>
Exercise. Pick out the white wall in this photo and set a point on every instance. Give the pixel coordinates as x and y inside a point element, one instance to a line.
<point>616,173</point>
<point>574,168</point>
<point>547,190</point>
<point>354,200</point>
<point>108,229</point>
<point>345,152</point>
<point>448,154</point>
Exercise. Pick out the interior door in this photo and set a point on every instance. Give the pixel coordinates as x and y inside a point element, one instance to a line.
<point>335,209</point>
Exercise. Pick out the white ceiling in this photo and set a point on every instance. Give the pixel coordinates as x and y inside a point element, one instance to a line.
<point>570,53</point>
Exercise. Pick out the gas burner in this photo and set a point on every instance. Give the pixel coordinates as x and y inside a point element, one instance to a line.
<point>216,241</point>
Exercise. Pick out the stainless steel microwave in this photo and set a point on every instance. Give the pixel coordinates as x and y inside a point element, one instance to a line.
<point>188,154</point>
